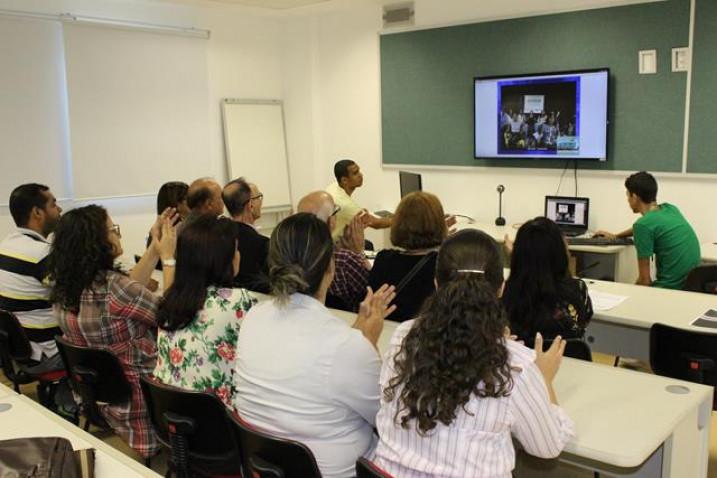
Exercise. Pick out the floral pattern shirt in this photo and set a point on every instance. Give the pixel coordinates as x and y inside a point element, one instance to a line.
<point>202,355</point>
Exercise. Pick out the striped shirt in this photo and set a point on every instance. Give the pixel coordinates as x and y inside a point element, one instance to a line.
<point>478,441</point>
<point>24,291</point>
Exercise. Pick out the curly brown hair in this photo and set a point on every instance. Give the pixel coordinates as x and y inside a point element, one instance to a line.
<point>456,347</point>
<point>80,251</point>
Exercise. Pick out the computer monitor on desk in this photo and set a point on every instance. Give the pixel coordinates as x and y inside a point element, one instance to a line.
<point>410,182</point>
<point>570,214</point>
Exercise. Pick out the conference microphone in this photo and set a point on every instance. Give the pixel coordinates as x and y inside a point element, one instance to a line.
<point>500,220</point>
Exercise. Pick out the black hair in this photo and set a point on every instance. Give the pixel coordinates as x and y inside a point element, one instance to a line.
<point>237,200</point>
<point>205,251</point>
<point>539,275</point>
<point>300,253</point>
<point>456,348</point>
<point>24,198</point>
<point>643,185</point>
<point>80,252</point>
<point>171,194</point>
<point>341,169</point>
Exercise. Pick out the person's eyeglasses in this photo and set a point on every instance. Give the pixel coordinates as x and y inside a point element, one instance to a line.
<point>116,229</point>
<point>258,196</point>
<point>335,211</point>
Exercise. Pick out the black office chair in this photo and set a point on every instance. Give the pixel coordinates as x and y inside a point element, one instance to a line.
<point>702,279</point>
<point>97,376</point>
<point>196,429</point>
<point>366,469</point>
<point>574,348</point>
<point>684,354</point>
<point>267,456</point>
<point>15,353</point>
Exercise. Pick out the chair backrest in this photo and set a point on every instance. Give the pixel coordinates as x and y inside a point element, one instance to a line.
<point>366,469</point>
<point>212,435</point>
<point>267,456</point>
<point>574,348</point>
<point>96,371</point>
<point>683,354</point>
<point>14,341</point>
<point>14,346</point>
<point>702,279</point>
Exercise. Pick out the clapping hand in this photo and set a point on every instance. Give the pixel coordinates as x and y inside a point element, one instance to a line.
<point>373,310</point>
<point>549,361</point>
<point>164,233</point>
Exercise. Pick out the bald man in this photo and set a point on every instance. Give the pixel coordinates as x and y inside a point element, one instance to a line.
<point>243,201</point>
<point>204,197</point>
<point>351,267</point>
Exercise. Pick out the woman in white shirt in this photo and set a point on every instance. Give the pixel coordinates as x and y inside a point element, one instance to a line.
<point>455,387</point>
<point>303,373</point>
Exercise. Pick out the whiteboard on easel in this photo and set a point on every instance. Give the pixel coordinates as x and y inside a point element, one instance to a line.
<point>255,146</point>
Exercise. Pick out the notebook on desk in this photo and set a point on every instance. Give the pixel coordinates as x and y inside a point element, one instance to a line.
<point>569,213</point>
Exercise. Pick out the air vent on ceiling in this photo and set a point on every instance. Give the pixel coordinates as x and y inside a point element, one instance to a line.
<point>398,14</point>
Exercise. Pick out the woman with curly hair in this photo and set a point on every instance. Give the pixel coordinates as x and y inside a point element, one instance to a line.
<point>201,313</point>
<point>455,387</point>
<point>100,307</point>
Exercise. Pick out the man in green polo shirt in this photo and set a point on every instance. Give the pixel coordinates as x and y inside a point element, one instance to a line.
<point>662,231</point>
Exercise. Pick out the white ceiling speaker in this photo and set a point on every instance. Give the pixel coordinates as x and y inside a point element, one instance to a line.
<point>398,14</point>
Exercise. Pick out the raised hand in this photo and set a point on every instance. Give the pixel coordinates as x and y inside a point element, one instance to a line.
<point>373,310</point>
<point>549,361</point>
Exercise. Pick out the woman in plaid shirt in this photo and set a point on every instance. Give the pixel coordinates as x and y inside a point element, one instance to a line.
<point>99,307</point>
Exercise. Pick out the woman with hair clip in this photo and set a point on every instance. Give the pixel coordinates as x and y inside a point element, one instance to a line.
<point>98,306</point>
<point>540,294</point>
<point>303,373</point>
<point>455,387</point>
<point>201,313</point>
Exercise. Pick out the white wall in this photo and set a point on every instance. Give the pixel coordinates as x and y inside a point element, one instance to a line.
<point>343,84</point>
<point>324,62</point>
<point>244,61</point>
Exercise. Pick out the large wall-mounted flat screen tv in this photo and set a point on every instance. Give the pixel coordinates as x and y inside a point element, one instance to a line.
<point>547,115</point>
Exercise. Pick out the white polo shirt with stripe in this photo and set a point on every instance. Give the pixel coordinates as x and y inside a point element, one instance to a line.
<point>25,291</point>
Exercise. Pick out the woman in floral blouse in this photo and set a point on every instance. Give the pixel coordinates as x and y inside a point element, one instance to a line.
<point>200,316</point>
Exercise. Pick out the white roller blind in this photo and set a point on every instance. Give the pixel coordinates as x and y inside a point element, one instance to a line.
<point>138,107</point>
<point>33,131</point>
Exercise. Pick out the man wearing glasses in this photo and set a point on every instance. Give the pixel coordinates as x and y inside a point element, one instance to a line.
<point>351,268</point>
<point>243,200</point>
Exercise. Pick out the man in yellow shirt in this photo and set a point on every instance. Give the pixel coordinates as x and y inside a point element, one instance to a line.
<point>348,178</point>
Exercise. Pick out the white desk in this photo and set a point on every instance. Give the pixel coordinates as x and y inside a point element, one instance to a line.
<point>709,251</point>
<point>624,267</point>
<point>27,418</point>
<point>627,423</point>
<point>625,329</point>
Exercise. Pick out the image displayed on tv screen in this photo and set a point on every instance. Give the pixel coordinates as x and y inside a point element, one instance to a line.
<point>539,116</point>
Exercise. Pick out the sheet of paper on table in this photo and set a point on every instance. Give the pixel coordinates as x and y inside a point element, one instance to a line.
<point>605,301</point>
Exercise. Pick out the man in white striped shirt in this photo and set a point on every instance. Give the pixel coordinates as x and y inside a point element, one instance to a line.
<point>24,289</point>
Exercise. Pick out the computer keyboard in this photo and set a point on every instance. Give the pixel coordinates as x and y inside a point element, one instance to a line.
<point>599,241</point>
